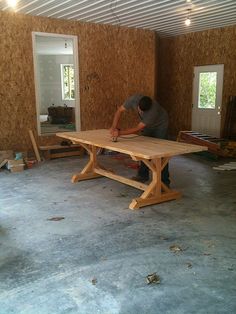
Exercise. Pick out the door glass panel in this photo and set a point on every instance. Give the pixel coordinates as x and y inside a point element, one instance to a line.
<point>207,90</point>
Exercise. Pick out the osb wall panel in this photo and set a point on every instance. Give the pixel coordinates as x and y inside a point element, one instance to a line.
<point>178,56</point>
<point>114,63</point>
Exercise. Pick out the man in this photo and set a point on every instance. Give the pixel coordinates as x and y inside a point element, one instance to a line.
<point>154,123</point>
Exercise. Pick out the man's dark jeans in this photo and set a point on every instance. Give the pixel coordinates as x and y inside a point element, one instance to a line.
<point>143,171</point>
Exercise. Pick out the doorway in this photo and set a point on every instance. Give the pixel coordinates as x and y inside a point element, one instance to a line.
<point>207,99</point>
<point>56,82</point>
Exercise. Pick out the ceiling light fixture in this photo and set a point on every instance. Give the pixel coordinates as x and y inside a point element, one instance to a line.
<point>188,20</point>
<point>12,3</point>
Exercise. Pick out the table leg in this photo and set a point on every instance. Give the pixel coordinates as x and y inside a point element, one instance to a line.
<point>156,192</point>
<point>88,171</point>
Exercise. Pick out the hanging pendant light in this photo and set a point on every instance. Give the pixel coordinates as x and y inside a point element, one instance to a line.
<point>187,21</point>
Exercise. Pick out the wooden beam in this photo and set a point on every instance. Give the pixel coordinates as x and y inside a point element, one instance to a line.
<point>140,202</point>
<point>64,154</point>
<point>84,176</point>
<point>108,174</point>
<point>35,147</point>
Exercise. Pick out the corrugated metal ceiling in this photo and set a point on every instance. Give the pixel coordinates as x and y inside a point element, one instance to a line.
<point>166,17</point>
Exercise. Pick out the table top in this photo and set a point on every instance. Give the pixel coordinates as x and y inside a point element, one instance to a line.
<point>133,145</point>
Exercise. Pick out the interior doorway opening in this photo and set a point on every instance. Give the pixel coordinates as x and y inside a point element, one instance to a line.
<point>56,82</point>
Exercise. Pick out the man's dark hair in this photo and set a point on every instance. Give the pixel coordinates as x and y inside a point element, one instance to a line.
<point>145,103</point>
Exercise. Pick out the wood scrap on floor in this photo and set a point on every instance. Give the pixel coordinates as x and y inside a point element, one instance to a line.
<point>5,155</point>
<point>153,278</point>
<point>228,166</point>
<point>56,218</point>
<point>175,248</point>
<point>94,281</point>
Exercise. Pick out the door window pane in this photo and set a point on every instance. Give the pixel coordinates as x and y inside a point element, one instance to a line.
<point>207,90</point>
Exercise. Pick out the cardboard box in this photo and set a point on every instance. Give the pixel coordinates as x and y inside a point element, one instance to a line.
<point>15,165</point>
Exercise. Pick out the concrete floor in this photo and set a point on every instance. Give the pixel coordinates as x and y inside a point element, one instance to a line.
<point>96,259</point>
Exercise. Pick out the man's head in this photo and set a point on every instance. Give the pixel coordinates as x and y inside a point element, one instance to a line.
<point>145,103</point>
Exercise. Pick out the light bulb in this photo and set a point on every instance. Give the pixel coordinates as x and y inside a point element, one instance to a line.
<point>12,3</point>
<point>187,21</point>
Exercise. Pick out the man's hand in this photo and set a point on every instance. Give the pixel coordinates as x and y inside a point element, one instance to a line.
<point>111,130</point>
<point>115,133</point>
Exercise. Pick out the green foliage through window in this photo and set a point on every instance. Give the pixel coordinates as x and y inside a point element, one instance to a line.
<point>207,90</point>
<point>68,82</point>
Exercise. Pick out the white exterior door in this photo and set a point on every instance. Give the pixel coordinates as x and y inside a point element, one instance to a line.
<point>207,99</point>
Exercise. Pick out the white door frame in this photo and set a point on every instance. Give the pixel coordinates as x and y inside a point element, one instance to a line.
<point>76,71</point>
<point>219,68</point>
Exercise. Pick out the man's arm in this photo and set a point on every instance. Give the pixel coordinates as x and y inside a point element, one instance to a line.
<point>117,118</point>
<point>139,127</point>
<point>133,130</point>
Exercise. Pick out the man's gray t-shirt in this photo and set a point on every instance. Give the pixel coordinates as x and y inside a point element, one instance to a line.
<point>155,117</point>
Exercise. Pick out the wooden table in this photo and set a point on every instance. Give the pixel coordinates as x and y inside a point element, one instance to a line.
<point>155,153</point>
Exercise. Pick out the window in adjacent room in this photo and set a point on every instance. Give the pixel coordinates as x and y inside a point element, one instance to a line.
<point>68,82</point>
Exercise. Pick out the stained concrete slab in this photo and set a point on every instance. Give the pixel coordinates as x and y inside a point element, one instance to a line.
<point>96,259</point>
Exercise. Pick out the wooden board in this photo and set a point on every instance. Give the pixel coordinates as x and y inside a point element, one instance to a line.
<point>35,147</point>
<point>53,147</point>
<point>141,146</point>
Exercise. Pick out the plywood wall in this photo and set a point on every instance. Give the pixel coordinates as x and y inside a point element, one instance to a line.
<point>177,58</point>
<point>114,63</point>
